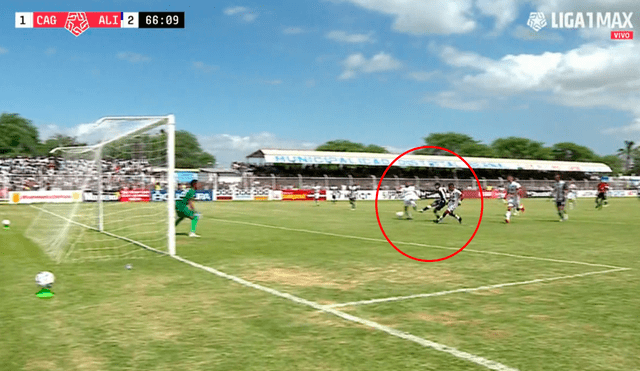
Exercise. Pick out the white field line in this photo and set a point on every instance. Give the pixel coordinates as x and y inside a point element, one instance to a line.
<point>489,287</point>
<point>419,244</point>
<point>492,365</point>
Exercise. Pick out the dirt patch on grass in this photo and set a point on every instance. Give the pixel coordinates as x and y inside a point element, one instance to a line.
<point>540,317</point>
<point>85,362</point>
<point>407,274</point>
<point>445,318</point>
<point>40,365</point>
<point>300,277</point>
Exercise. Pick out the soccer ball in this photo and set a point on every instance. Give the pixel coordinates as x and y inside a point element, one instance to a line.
<point>45,279</point>
<point>6,223</point>
<point>399,214</point>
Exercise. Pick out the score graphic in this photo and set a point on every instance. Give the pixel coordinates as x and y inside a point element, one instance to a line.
<point>79,22</point>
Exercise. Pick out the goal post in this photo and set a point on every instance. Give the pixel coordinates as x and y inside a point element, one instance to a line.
<point>115,173</point>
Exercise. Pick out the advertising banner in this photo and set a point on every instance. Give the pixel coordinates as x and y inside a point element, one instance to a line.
<point>200,195</point>
<point>135,195</point>
<point>29,197</point>
<point>302,195</point>
<point>275,195</point>
<point>106,197</point>
<point>224,194</point>
<point>261,194</point>
<point>242,195</point>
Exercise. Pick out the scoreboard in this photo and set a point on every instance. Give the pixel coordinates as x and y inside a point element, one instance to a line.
<point>78,22</point>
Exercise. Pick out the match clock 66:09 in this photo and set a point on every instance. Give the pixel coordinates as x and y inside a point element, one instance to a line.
<point>160,20</point>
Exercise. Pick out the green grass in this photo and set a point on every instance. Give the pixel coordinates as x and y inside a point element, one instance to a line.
<point>166,315</point>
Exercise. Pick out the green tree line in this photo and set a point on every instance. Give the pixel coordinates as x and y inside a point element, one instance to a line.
<point>20,137</point>
<point>627,159</point>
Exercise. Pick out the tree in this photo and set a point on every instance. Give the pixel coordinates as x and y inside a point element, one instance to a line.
<point>58,140</point>
<point>521,148</point>
<point>189,154</point>
<point>341,145</point>
<point>567,151</point>
<point>627,152</point>
<point>613,161</point>
<point>18,136</point>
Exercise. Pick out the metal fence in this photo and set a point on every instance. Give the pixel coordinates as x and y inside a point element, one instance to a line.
<point>56,182</point>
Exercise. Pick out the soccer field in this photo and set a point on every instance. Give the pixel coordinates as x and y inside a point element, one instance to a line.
<point>319,288</point>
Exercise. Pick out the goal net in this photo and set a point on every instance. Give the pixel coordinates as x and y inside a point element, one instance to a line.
<point>115,178</point>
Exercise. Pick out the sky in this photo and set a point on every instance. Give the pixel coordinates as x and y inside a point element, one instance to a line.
<point>244,75</point>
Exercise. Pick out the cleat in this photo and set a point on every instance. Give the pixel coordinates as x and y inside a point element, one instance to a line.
<point>507,221</point>
<point>522,208</point>
<point>192,234</point>
<point>421,211</point>
<point>460,220</point>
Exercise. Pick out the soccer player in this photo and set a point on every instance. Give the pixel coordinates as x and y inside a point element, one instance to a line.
<point>572,197</point>
<point>513,198</point>
<point>316,194</point>
<point>409,196</point>
<point>560,194</point>
<point>334,194</point>
<point>185,208</point>
<point>438,204</point>
<point>601,198</point>
<point>455,198</point>
<point>353,194</point>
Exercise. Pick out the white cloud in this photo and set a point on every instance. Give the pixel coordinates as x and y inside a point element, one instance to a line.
<point>3,50</point>
<point>526,33</point>
<point>293,31</point>
<point>625,131</point>
<point>228,148</point>
<point>50,51</point>
<point>452,99</point>
<point>358,63</point>
<point>132,57</point>
<point>421,75</point>
<point>207,68</point>
<point>356,38</point>
<point>245,13</point>
<point>424,17</point>
<point>504,11</point>
<point>594,75</point>
<point>272,82</point>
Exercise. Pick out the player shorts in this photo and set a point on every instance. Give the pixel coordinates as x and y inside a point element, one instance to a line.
<point>571,196</point>
<point>411,203</point>
<point>452,207</point>
<point>185,212</point>
<point>602,195</point>
<point>513,202</point>
<point>560,203</point>
<point>438,204</point>
<point>316,196</point>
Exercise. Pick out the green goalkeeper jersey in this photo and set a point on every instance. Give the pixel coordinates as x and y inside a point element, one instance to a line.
<point>181,204</point>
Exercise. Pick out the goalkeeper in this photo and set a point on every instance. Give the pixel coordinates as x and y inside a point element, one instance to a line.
<point>185,208</point>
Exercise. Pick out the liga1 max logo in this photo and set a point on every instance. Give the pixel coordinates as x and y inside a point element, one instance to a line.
<point>620,23</point>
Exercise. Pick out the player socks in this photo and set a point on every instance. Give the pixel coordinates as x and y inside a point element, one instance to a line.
<point>194,222</point>
<point>178,221</point>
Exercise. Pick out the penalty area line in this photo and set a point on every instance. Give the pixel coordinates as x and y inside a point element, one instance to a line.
<point>481,361</point>
<point>480,288</point>
<point>418,244</point>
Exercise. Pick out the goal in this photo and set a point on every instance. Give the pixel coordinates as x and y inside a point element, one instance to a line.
<point>122,190</point>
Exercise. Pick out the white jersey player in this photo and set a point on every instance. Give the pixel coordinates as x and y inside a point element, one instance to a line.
<point>316,194</point>
<point>353,195</point>
<point>409,197</point>
<point>572,196</point>
<point>560,191</point>
<point>513,198</point>
<point>455,198</point>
